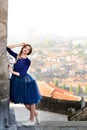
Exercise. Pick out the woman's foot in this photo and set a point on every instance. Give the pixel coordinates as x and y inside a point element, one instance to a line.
<point>29,123</point>
<point>37,118</point>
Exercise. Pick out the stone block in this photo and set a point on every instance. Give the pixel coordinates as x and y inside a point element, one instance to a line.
<point>3,10</point>
<point>4,113</point>
<point>4,89</point>
<point>3,68</point>
<point>12,121</point>
<point>2,30</point>
<point>47,128</point>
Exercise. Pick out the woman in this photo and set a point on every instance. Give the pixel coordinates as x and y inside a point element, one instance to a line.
<point>23,88</point>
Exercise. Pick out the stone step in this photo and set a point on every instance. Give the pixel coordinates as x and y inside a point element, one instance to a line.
<point>49,121</point>
<point>79,125</point>
<point>80,115</point>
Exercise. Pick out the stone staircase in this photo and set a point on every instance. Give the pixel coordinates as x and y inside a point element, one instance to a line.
<point>80,115</point>
<point>53,122</point>
<point>56,125</point>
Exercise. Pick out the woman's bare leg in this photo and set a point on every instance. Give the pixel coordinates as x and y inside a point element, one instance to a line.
<point>29,108</point>
<point>32,112</point>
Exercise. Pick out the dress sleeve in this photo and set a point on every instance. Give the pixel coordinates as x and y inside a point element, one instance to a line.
<point>24,71</point>
<point>11,52</point>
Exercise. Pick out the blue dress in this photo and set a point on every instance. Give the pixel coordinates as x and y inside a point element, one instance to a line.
<point>23,88</point>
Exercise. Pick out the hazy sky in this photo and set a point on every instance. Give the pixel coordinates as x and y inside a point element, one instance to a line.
<point>27,18</point>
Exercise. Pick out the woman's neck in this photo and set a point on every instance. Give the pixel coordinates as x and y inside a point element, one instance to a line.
<point>23,56</point>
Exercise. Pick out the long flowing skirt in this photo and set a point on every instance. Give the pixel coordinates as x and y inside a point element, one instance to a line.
<point>24,90</point>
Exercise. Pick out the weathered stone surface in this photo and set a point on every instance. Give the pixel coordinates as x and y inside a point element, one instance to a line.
<point>4,4</point>
<point>4,89</point>
<point>4,114</point>
<point>57,105</point>
<point>3,45</point>
<point>82,128</point>
<point>3,67</point>
<point>4,83</point>
<point>2,30</point>
<point>3,54</point>
<point>22,115</point>
<point>3,15</point>
<point>69,128</point>
<point>47,128</point>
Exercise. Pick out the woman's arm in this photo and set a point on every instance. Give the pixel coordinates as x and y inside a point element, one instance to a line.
<point>12,52</point>
<point>15,73</point>
<point>15,45</point>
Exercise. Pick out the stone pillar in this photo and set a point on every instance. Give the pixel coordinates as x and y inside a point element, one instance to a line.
<point>4,83</point>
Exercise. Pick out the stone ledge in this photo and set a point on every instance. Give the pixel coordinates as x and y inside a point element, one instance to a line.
<point>64,123</point>
<point>12,127</point>
<point>57,126</point>
<point>12,121</point>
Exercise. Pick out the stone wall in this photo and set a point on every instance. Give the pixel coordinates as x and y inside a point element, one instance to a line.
<point>4,91</point>
<point>4,83</point>
<point>58,106</point>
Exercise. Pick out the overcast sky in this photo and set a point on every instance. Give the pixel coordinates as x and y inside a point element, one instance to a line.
<point>27,18</point>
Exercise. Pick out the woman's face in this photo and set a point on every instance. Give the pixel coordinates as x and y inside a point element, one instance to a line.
<point>26,50</point>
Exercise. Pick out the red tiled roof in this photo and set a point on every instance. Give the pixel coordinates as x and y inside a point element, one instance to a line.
<point>45,90</point>
<point>49,90</point>
<point>59,89</point>
<point>65,96</point>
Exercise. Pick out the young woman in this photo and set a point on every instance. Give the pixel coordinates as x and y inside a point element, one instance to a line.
<point>23,88</point>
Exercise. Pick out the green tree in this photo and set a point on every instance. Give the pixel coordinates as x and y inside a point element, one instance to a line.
<point>78,90</point>
<point>63,86</point>
<point>56,83</point>
<point>85,90</point>
<point>71,88</point>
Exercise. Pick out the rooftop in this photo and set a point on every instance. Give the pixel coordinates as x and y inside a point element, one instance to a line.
<point>50,90</point>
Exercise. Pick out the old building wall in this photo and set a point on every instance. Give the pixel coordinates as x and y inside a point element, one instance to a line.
<point>4,89</point>
<point>4,82</point>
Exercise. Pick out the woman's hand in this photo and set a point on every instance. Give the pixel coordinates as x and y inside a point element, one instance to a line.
<point>9,68</point>
<point>22,44</point>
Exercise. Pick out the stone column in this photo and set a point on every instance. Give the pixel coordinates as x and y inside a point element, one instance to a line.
<point>4,83</point>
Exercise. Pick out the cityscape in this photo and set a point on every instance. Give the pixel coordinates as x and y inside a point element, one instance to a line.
<point>63,63</point>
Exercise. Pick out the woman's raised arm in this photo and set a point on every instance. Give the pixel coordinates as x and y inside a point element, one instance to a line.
<point>16,45</point>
